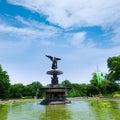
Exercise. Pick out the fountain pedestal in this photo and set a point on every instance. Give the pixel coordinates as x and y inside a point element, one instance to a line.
<point>55,94</point>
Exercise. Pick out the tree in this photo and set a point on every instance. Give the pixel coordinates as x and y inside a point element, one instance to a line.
<point>77,90</point>
<point>66,83</point>
<point>104,86</point>
<point>114,68</point>
<point>112,87</point>
<point>16,90</point>
<point>19,90</point>
<point>33,89</point>
<point>4,84</point>
<point>83,89</point>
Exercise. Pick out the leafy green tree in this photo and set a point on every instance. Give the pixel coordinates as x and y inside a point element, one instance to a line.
<point>91,90</point>
<point>114,68</point>
<point>66,83</point>
<point>77,90</point>
<point>104,86</point>
<point>33,89</point>
<point>4,84</point>
<point>112,87</point>
<point>83,89</point>
<point>16,90</point>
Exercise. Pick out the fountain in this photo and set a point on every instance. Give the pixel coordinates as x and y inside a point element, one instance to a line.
<point>54,94</point>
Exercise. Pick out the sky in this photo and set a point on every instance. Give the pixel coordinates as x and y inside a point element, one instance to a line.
<point>83,33</point>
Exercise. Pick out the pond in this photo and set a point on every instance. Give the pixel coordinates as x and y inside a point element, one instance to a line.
<point>77,110</point>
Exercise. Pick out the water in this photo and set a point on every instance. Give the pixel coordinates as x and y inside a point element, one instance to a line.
<point>77,110</point>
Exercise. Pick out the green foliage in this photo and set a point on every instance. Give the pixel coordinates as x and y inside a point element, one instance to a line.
<point>28,91</point>
<point>77,90</point>
<point>66,83</point>
<point>33,89</point>
<point>116,94</point>
<point>112,87</point>
<point>104,86</point>
<point>4,84</point>
<point>16,90</point>
<point>114,68</point>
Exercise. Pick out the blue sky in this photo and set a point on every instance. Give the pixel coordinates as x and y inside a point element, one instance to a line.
<point>83,33</point>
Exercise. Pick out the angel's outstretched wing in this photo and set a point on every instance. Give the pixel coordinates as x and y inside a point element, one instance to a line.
<point>51,58</point>
<point>58,58</point>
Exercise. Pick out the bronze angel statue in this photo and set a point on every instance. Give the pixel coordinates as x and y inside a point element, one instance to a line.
<point>54,61</point>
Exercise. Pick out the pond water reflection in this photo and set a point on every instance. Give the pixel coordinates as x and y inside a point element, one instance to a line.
<point>77,110</point>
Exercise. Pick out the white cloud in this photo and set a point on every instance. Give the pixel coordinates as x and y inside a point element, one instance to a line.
<point>116,36</point>
<point>10,48</point>
<point>32,30</point>
<point>38,26</point>
<point>47,43</point>
<point>77,38</point>
<point>70,13</point>
<point>12,37</point>
<point>26,32</point>
<point>21,31</point>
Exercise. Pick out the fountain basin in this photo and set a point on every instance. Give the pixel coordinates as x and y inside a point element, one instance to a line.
<point>55,95</point>
<point>54,72</point>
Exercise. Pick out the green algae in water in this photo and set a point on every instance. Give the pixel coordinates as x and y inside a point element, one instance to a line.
<point>4,109</point>
<point>77,110</point>
<point>106,110</point>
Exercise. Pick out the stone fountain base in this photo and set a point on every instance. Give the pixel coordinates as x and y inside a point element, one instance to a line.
<point>55,95</point>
